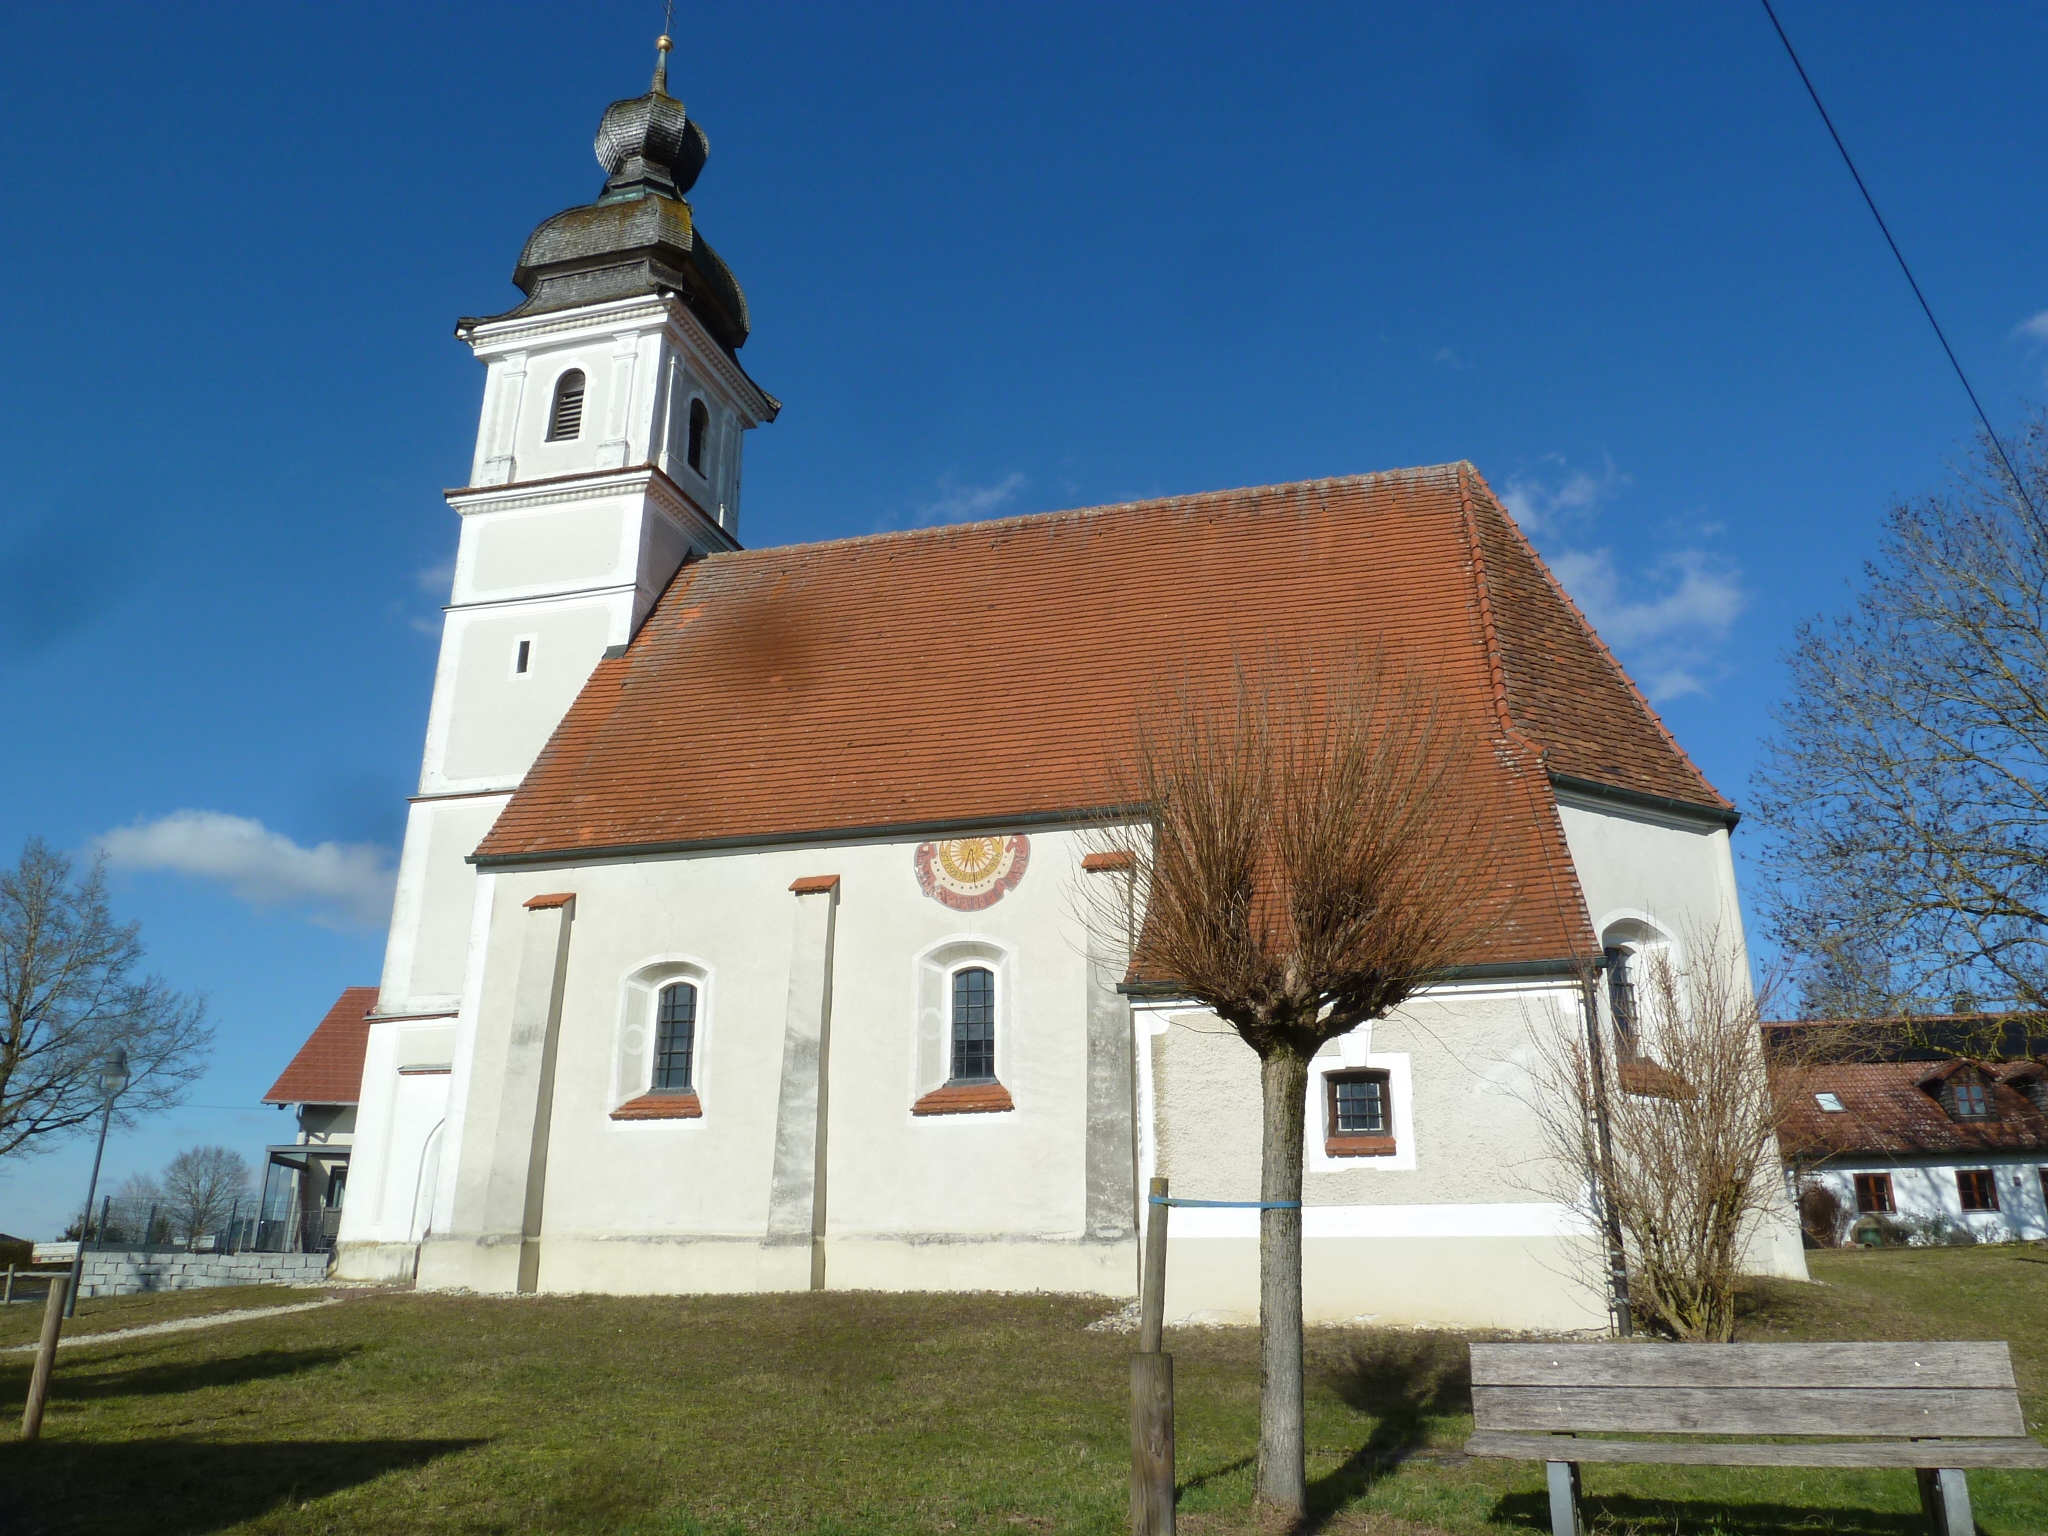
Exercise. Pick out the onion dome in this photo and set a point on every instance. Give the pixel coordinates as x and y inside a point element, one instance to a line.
<point>639,237</point>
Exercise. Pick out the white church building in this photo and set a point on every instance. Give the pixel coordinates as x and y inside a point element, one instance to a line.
<point>740,944</point>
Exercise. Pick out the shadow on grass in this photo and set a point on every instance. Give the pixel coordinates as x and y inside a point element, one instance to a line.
<point>186,1487</point>
<point>75,1384</point>
<point>1697,1517</point>
<point>1402,1381</point>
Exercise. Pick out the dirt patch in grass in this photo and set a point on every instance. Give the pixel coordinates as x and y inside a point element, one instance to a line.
<point>22,1323</point>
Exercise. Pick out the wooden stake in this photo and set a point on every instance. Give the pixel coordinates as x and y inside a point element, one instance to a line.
<point>1152,1292</point>
<point>1152,1445</point>
<point>46,1357</point>
<point>1152,1387</point>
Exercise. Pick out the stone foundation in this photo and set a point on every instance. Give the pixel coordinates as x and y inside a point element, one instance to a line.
<point>114,1272</point>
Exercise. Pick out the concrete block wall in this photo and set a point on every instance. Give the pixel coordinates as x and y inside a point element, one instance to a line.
<point>118,1273</point>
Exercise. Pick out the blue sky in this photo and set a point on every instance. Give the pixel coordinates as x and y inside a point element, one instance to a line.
<point>998,262</point>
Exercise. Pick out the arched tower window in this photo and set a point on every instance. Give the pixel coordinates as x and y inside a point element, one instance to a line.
<point>700,426</point>
<point>675,1038</point>
<point>974,1025</point>
<point>1621,999</point>
<point>565,419</point>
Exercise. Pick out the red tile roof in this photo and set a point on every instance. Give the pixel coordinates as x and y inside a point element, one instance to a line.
<point>329,1066</point>
<point>985,673</point>
<point>1888,1110</point>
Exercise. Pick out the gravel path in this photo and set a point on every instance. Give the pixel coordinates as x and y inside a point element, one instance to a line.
<point>180,1325</point>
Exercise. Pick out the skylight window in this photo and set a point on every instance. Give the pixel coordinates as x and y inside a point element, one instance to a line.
<point>1830,1103</point>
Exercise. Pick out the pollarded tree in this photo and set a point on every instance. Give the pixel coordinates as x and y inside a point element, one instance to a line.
<point>1906,790</point>
<point>68,995</point>
<point>1313,858</point>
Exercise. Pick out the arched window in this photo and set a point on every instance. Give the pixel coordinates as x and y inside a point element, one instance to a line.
<point>700,425</point>
<point>675,1038</point>
<point>974,1025</point>
<point>1621,999</point>
<point>565,420</point>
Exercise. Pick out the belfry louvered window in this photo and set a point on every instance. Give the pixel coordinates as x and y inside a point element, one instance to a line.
<point>565,419</point>
<point>675,1038</point>
<point>974,1025</point>
<point>700,425</point>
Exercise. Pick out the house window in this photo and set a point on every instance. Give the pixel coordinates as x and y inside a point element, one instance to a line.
<point>1874,1194</point>
<point>1978,1189</point>
<point>1358,1114</point>
<point>1830,1103</point>
<point>2044,1185</point>
<point>675,1037</point>
<point>700,425</point>
<point>1621,1001</point>
<point>1972,1100</point>
<point>523,658</point>
<point>565,420</point>
<point>974,1025</point>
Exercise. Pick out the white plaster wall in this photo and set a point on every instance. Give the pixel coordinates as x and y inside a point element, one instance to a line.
<point>1675,874</point>
<point>545,549</point>
<point>923,1180</point>
<point>1927,1189</point>
<point>429,944</point>
<point>497,719</point>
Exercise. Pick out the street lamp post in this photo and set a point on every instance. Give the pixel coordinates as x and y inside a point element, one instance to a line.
<point>113,1078</point>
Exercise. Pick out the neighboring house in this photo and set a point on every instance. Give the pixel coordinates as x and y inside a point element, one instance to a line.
<point>305,1181</point>
<point>740,887</point>
<point>1920,1142</point>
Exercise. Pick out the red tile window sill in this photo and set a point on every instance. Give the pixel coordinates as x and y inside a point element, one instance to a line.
<point>965,1099</point>
<point>1358,1146</point>
<point>661,1106</point>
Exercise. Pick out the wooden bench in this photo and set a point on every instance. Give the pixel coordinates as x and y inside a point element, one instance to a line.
<point>1946,1408</point>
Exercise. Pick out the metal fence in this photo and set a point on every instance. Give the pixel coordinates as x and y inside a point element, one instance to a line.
<point>142,1224</point>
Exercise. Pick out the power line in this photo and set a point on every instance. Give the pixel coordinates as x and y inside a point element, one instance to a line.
<point>1913,282</point>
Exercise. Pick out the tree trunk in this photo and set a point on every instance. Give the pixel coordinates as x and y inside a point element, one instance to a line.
<point>1283,1474</point>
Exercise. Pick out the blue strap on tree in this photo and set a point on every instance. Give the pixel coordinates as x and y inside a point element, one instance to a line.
<point>1231,1205</point>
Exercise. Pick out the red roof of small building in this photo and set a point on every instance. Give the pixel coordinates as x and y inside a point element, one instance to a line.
<point>988,672</point>
<point>1888,1108</point>
<point>329,1066</point>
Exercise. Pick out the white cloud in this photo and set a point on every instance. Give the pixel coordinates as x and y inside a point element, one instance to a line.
<point>1445,357</point>
<point>956,503</point>
<point>2034,327</point>
<point>352,881</point>
<point>1665,617</point>
<point>1539,504</point>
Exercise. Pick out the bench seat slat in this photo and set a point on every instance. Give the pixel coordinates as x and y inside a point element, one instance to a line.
<point>1742,1365</point>
<point>1969,1454</point>
<point>1750,1410</point>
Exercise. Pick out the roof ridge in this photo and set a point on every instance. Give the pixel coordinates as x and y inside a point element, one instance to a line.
<point>1192,498</point>
<point>1543,567</point>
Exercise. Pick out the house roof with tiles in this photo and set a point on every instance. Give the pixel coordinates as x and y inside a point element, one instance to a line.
<point>984,675</point>
<point>329,1066</point>
<point>1899,1108</point>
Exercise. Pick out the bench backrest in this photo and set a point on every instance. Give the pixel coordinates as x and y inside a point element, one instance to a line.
<point>1748,1389</point>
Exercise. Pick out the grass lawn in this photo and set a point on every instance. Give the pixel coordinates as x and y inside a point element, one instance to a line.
<point>848,1413</point>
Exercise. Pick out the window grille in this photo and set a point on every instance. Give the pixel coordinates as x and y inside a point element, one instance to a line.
<point>1360,1105</point>
<point>974,1025</point>
<point>1621,1002</point>
<point>700,423</point>
<point>675,1039</point>
<point>566,419</point>
<point>1979,1190</point>
<point>1972,1101</point>
<point>1874,1194</point>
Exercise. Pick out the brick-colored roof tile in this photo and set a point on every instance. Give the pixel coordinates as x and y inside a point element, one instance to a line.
<point>329,1066</point>
<point>985,673</point>
<point>1887,1110</point>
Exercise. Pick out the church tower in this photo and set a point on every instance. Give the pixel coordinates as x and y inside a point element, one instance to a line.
<point>607,455</point>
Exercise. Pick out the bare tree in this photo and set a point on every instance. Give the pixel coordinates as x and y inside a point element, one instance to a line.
<point>1314,856</point>
<point>1906,790</point>
<point>69,994</point>
<point>1690,1173</point>
<point>201,1186</point>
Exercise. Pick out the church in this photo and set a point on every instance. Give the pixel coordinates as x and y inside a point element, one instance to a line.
<point>741,936</point>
